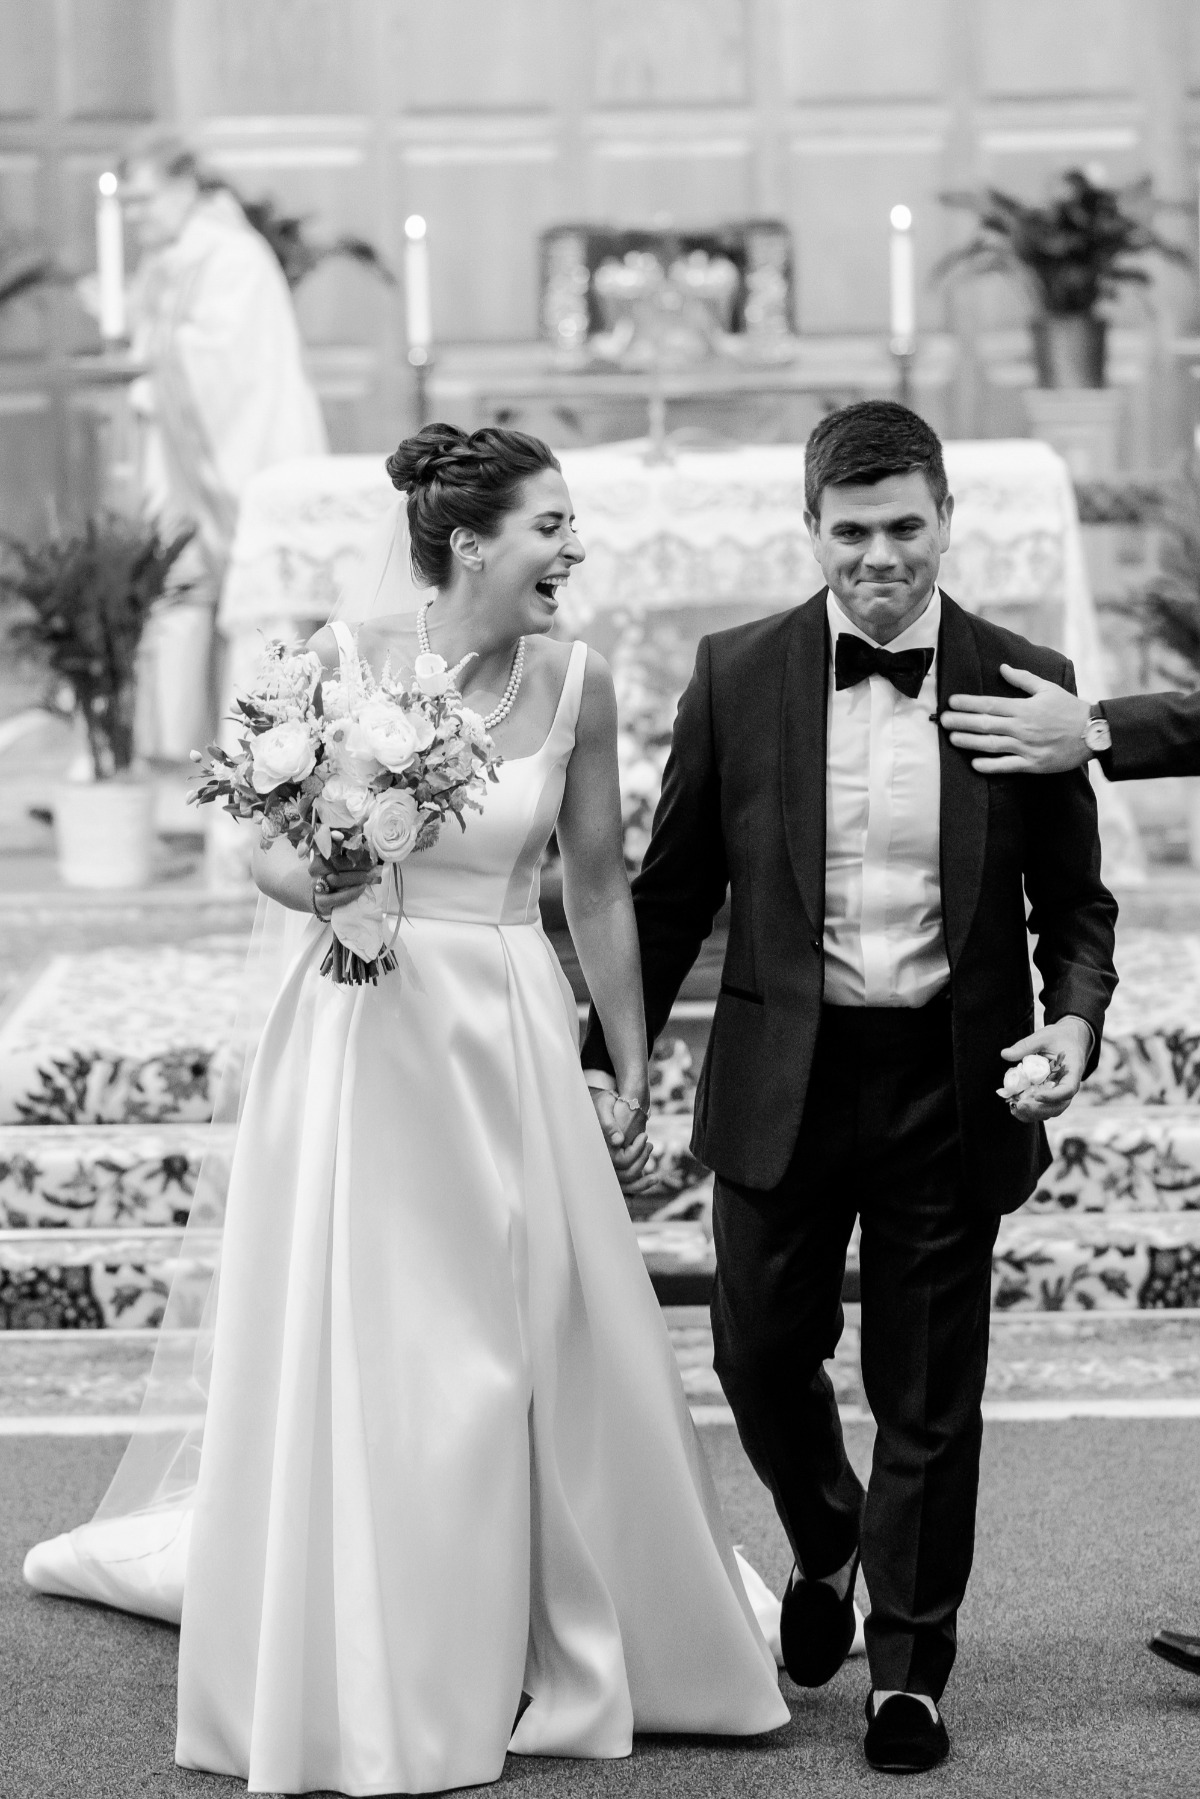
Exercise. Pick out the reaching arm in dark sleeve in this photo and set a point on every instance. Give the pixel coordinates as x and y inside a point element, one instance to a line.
<point>1152,734</point>
<point>1071,912</point>
<point>683,879</point>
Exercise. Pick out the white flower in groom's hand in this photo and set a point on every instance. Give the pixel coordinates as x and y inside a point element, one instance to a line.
<point>361,925</point>
<point>391,826</point>
<point>431,674</point>
<point>343,801</point>
<point>1030,1071</point>
<point>286,752</point>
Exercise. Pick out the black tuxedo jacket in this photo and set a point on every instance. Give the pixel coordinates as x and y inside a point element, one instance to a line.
<point>743,811</point>
<point>1152,734</point>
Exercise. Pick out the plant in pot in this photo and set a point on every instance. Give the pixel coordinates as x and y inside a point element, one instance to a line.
<point>78,603</point>
<point>1072,256</point>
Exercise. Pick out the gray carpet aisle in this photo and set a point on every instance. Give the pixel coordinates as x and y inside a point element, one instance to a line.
<point>1089,1534</point>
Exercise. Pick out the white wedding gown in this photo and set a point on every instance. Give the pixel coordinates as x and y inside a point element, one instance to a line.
<point>447,1456</point>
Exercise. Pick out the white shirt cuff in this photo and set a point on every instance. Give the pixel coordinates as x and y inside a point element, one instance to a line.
<point>596,1077</point>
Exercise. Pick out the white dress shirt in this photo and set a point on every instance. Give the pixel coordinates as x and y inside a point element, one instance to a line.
<point>883,891</point>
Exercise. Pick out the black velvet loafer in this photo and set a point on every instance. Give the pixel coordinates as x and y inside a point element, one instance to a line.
<point>1174,1647</point>
<point>902,1738</point>
<point>816,1629</point>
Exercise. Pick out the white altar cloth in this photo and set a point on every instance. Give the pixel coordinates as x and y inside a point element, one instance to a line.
<point>720,528</point>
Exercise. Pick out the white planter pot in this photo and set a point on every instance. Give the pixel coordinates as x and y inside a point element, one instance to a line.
<point>104,831</point>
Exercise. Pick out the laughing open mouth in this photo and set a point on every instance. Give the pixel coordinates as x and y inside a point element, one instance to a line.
<point>550,586</point>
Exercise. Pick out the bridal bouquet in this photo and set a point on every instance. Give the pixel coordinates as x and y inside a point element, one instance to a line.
<point>360,773</point>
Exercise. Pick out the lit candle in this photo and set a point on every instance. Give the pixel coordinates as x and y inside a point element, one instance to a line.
<point>110,260</point>
<point>904,300</point>
<point>416,289</point>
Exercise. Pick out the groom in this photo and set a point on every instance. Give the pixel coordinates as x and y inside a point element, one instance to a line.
<point>876,982</point>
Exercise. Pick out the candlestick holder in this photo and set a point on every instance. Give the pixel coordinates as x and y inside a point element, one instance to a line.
<point>106,438</point>
<point>421,364</point>
<point>904,355</point>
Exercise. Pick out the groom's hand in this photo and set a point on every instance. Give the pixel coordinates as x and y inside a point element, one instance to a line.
<point>626,1141</point>
<point>1067,1044</point>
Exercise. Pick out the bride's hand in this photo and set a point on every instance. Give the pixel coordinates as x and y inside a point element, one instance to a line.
<point>332,888</point>
<point>625,1137</point>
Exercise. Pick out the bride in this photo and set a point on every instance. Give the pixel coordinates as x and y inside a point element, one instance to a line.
<point>449,1479</point>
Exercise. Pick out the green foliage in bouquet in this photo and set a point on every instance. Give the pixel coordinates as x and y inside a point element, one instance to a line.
<point>1071,254</point>
<point>1170,609</point>
<point>80,602</point>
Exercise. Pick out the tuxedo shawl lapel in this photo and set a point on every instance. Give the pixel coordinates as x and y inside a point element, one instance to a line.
<point>964,803</point>
<point>803,753</point>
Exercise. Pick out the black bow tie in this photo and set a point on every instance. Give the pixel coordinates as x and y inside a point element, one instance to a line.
<point>854,659</point>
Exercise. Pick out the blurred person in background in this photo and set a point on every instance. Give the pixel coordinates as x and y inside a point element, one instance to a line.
<point>224,395</point>
<point>1040,729</point>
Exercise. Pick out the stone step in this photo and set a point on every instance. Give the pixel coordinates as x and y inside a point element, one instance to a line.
<point>1132,1356</point>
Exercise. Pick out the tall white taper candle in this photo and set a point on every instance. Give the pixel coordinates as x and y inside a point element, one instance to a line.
<point>903,294</point>
<point>416,289</point>
<point>110,259</point>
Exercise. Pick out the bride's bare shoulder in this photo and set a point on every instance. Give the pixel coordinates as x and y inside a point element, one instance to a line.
<point>325,644</point>
<point>550,654</point>
<point>393,633</point>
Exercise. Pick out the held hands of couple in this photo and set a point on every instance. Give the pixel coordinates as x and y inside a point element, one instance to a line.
<point>623,1121</point>
<point>1042,734</point>
<point>1066,1044</point>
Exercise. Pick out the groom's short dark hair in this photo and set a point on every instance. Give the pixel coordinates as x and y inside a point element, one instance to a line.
<point>865,443</point>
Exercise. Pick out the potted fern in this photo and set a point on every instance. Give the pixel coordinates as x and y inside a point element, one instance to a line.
<point>1072,256</point>
<point>78,604</point>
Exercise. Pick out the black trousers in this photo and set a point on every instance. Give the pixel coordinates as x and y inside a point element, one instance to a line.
<point>879,1139</point>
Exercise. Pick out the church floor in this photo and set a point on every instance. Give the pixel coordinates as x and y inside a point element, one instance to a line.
<point>1086,1542</point>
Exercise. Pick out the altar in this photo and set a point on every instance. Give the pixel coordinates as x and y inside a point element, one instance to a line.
<point>681,540</point>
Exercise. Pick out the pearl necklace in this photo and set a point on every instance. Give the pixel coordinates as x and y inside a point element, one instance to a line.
<point>508,697</point>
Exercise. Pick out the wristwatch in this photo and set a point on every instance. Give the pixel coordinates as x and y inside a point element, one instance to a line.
<point>1096,733</point>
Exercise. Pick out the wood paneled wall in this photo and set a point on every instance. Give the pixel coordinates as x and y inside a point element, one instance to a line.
<point>495,118</point>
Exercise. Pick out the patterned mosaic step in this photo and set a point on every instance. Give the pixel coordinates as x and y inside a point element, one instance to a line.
<point>82,1176</point>
<point>120,1036</point>
<point>1115,1225</point>
<point>1151,1050</point>
<point>126,1035</point>
<point>95,1279</point>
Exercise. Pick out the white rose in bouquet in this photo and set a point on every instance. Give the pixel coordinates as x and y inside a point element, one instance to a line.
<point>343,801</point>
<point>360,925</point>
<point>431,674</point>
<point>335,701</point>
<point>351,751</point>
<point>391,826</point>
<point>390,733</point>
<point>286,752</point>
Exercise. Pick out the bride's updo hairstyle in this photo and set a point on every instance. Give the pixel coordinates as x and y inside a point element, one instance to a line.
<point>455,478</point>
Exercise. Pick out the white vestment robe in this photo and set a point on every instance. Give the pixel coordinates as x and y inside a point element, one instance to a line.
<point>225,395</point>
